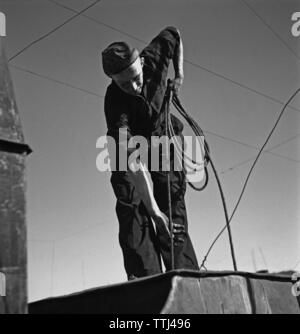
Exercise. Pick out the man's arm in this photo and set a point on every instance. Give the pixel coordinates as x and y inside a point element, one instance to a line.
<point>144,189</point>
<point>161,221</point>
<point>178,65</point>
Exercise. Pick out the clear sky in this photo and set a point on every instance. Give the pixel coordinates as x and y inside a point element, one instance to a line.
<point>245,65</point>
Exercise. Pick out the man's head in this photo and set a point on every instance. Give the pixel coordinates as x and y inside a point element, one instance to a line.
<point>124,66</point>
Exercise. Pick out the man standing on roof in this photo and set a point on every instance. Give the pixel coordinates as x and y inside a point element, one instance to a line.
<point>133,103</point>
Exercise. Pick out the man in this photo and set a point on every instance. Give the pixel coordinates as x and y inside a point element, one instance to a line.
<point>133,104</point>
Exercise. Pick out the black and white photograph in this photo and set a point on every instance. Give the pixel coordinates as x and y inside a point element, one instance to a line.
<point>149,159</point>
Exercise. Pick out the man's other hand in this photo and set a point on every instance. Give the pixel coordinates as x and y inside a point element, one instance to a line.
<point>177,83</point>
<point>162,224</point>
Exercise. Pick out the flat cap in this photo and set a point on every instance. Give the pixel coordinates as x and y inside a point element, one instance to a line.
<point>117,57</point>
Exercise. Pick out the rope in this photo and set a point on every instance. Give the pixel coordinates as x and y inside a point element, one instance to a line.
<point>167,132</point>
<point>198,131</point>
<point>248,176</point>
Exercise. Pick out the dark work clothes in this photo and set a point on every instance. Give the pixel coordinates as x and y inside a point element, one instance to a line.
<point>142,115</point>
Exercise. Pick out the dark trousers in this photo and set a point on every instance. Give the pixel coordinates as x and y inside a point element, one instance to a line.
<point>142,247</point>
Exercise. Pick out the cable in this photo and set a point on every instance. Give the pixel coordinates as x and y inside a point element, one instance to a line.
<point>267,151</point>
<point>198,131</point>
<point>98,22</point>
<point>52,268</point>
<point>195,128</point>
<point>283,143</point>
<point>169,131</point>
<point>189,162</point>
<point>270,28</point>
<point>57,81</point>
<point>230,169</point>
<point>185,60</point>
<point>240,84</point>
<point>181,153</point>
<point>251,146</point>
<point>53,30</point>
<point>248,176</point>
<point>296,265</point>
<point>168,96</point>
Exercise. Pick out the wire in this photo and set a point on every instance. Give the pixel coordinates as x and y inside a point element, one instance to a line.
<point>98,22</point>
<point>180,153</point>
<point>56,81</point>
<point>248,176</point>
<point>283,143</point>
<point>270,28</point>
<point>168,96</point>
<point>296,265</point>
<point>240,84</point>
<point>196,128</point>
<point>230,139</point>
<point>267,151</point>
<point>185,60</point>
<point>53,30</point>
<point>190,161</point>
<point>52,268</point>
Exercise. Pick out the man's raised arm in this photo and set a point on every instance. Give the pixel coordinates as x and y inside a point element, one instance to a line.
<point>178,65</point>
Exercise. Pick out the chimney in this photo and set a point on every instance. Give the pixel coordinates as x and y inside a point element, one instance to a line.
<point>13,151</point>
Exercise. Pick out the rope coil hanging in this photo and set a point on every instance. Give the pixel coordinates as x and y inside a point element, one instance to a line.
<point>199,133</point>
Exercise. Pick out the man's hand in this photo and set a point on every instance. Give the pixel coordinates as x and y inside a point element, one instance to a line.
<point>162,224</point>
<point>177,83</point>
<point>178,66</point>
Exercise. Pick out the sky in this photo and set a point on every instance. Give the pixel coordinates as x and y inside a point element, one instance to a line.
<point>242,65</point>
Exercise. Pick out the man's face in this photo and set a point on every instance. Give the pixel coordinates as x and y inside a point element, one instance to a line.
<point>131,79</point>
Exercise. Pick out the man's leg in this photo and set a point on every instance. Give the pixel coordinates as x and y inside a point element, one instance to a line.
<point>184,254</point>
<point>136,233</point>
